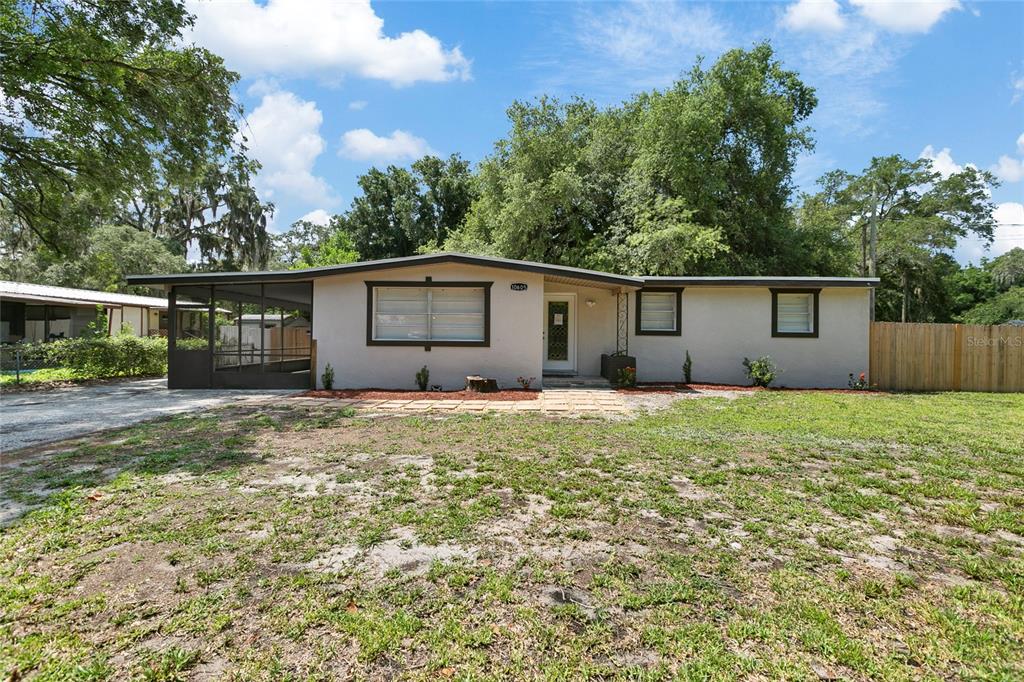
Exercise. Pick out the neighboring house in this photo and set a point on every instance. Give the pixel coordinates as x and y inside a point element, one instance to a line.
<point>378,322</point>
<point>38,312</point>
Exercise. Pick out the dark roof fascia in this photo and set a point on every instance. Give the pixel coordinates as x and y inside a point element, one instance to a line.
<point>777,282</point>
<point>366,266</point>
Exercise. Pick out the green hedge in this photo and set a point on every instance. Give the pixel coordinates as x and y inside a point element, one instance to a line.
<point>123,355</point>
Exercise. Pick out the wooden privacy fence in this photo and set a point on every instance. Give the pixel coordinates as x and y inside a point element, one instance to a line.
<point>947,357</point>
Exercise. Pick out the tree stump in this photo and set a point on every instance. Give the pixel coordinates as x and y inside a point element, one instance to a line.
<point>481,384</point>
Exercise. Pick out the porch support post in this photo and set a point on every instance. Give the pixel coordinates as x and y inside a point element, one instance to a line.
<point>622,322</point>
<point>172,322</point>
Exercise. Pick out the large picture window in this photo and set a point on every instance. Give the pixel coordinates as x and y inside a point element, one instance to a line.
<point>428,313</point>
<point>795,312</point>
<point>658,312</point>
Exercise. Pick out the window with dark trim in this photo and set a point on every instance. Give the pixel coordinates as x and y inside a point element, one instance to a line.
<point>795,313</point>
<point>428,313</point>
<point>659,311</point>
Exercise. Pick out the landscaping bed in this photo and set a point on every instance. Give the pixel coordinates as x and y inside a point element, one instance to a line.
<point>379,394</point>
<point>670,387</point>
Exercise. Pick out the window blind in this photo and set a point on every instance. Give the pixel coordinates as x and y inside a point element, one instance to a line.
<point>429,314</point>
<point>658,311</point>
<point>795,313</point>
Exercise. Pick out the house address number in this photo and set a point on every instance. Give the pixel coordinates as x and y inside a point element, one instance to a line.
<point>518,286</point>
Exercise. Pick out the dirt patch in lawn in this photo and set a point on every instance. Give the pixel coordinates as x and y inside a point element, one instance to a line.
<point>378,394</point>
<point>138,570</point>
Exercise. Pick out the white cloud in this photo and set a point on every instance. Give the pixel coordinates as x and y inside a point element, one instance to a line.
<point>942,161</point>
<point>609,49</point>
<point>642,30</point>
<point>850,70</point>
<point>364,145</point>
<point>906,16</point>
<point>357,105</point>
<point>1017,84</point>
<point>813,15</point>
<point>1009,234</point>
<point>283,134</point>
<point>1009,169</point>
<point>318,217</point>
<point>321,38</point>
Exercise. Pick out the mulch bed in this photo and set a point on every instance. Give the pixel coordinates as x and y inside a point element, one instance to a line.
<point>377,394</point>
<point>672,388</point>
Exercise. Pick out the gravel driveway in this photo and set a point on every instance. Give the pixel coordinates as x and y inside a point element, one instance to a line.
<point>38,417</point>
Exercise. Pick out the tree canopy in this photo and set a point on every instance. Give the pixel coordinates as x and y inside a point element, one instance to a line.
<point>309,245</point>
<point>404,211</point>
<point>694,179</point>
<point>917,214</point>
<point>107,118</point>
<point>120,148</point>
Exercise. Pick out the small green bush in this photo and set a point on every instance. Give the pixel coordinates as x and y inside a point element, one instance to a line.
<point>423,378</point>
<point>687,368</point>
<point>327,378</point>
<point>761,372</point>
<point>627,376</point>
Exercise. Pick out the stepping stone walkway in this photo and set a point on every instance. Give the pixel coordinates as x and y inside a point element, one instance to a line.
<point>564,402</point>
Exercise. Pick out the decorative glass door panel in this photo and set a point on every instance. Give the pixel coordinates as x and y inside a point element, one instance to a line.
<point>559,333</point>
<point>558,330</point>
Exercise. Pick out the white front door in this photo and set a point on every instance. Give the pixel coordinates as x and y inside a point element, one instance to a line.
<point>560,332</point>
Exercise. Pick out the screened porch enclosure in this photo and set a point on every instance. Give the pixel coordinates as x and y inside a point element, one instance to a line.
<point>240,335</point>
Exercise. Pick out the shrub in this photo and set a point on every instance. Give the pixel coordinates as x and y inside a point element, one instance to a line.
<point>525,382</point>
<point>423,378</point>
<point>687,368</point>
<point>761,372</point>
<point>328,377</point>
<point>860,383</point>
<point>123,355</point>
<point>627,376</point>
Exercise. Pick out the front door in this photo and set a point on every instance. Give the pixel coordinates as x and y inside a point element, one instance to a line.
<point>560,333</point>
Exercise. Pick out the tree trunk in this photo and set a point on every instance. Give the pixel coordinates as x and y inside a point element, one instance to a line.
<point>478,384</point>
<point>863,249</point>
<point>906,297</point>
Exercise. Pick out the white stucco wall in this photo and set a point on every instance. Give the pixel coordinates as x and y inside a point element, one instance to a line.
<point>339,327</point>
<point>722,325</point>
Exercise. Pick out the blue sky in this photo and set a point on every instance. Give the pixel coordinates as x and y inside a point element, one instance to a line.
<point>331,89</point>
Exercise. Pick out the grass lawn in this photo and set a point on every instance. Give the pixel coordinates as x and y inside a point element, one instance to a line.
<point>9,379</point>
<point>776,535</point>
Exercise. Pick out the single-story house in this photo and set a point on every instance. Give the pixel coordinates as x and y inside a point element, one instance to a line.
<point>378,322</point>
<point>38,312</point>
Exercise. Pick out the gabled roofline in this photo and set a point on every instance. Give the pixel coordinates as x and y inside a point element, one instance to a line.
<point>385,264</point>
<point>781,282</point>
<point>494,262</point>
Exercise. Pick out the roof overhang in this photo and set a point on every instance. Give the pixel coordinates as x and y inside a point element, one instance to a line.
<point>579,274</point>
<point>56,300</point>
<point>775,282</point>
<point>553,273</point>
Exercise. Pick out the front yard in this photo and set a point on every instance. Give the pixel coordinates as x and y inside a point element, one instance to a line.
<point>774,535</point>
